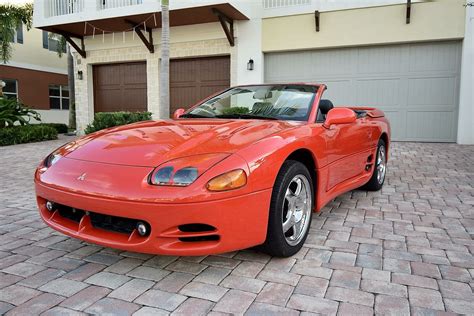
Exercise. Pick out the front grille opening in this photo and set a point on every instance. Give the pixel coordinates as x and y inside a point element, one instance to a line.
<point>73,214</point>
<point>196,228</point>
<point>113,223</point>
<point>200,238</point>
<point>101,221</point>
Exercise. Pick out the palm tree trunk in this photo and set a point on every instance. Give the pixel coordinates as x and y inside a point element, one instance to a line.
<point>72,90</point>
<point>165,61</point>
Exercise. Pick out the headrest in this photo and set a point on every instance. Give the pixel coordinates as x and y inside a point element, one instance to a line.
<point>325,106</point>
<point>262,94</point>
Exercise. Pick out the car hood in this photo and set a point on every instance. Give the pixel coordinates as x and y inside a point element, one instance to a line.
<point>154,142</point>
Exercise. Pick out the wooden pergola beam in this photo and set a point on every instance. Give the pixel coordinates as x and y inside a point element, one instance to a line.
<point>69,38</point>
<point>147,42</point>
<point>408,11</point>
<point>227,25</point>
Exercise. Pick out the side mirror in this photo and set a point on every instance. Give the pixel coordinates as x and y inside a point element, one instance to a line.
<point>340,116</point>
<point>178,113</point>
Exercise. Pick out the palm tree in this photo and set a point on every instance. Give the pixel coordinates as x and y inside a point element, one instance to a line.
<point>62,47</point>
<point>10,17</point>
<point>165,61</point>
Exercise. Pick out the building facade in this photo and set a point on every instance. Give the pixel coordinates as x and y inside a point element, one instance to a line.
<point>413,60</point>
<point>37,76</point>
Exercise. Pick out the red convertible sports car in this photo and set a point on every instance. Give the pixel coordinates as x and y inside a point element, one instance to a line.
<point>242,168</point>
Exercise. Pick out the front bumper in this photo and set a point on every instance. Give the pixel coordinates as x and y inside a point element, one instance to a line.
<point>240,222</point>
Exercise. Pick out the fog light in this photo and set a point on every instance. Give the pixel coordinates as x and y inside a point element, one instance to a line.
<point>49,206</point>
<point>142,229</point>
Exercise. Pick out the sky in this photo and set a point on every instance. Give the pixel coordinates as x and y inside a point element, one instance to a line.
<point>15,1</point>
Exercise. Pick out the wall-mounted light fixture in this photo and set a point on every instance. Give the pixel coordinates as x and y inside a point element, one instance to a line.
<point>79,75</point>
<point>250,64</point>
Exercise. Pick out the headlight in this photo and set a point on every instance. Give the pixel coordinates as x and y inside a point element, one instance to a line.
<point>228,181</point>
<point>167,176</point>
<point>52,159</point>
<point>183,171</point>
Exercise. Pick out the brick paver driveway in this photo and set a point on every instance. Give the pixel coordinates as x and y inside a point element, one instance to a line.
<point>405,249</point>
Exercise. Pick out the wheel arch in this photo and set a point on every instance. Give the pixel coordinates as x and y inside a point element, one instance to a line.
<point>384,137</point>
<point>307,158</point>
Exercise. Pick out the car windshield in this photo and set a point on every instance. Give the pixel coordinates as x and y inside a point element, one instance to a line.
<point>282,102</point>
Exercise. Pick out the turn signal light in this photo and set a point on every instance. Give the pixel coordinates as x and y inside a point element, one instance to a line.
<point>228,181</point>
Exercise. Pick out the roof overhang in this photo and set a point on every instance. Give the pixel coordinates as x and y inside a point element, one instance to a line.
<point>178,17</point>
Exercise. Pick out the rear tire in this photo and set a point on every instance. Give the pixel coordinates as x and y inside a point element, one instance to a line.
<point>291,209</point>
<point>379,169</point>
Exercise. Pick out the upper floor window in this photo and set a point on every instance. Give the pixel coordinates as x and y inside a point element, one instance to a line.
<point>51,42</point>
<point>18,36</point>
<point>11,88</point>
<point>58,97</point>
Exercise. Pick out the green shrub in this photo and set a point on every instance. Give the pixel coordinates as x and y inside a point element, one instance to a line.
<point>235,110</point>
<point>26,134</point>
<point>60,127</point>
<point>13,111</point>
<point>110,119</point>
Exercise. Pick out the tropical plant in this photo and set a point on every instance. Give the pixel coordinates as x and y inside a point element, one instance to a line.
<point>104,120</point>
<point>10,17</point>
<point>13,111</point>
<point>165,61</point>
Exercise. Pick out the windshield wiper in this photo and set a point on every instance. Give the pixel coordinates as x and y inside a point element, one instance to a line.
<point>246,116</point>
<point>191,115</point>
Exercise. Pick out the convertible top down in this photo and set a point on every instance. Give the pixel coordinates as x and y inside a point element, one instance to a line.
<point>245,167</point>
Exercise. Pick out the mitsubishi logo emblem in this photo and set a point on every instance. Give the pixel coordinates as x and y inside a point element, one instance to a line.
<point>82,177</point>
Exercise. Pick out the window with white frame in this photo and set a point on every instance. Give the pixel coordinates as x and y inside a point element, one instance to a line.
<point>11,88</point>
<point>58,97</point>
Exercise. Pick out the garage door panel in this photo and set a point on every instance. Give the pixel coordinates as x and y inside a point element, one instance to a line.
<point>120,87</point>
<point>430,126</point>
<point>330,65</point>
<point>378,92</point>
<point>434,57</point>
<point>191,80</point>
<point>392,57</point>
<point>339,92</point>
<point>431,91</point>
<point>422,78</point>
<point>397,121</point>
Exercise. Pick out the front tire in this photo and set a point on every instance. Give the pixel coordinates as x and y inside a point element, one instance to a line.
<point>380,169</point>
<point>291,210</point>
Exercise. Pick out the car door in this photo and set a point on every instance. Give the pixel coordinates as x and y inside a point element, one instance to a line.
<point>348,149</point>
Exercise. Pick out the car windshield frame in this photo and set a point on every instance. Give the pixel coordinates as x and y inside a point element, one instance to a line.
<point>307,105</point>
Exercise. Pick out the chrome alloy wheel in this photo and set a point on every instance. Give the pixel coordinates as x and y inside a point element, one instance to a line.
<point>381,165</point>
<point>297,209</point>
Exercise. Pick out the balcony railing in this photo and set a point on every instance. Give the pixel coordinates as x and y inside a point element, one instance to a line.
<point>110,4</point>
<point>273,4</point>
<point>63,7</point>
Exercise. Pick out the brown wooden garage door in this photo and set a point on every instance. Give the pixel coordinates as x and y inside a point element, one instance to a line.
<point>191,80</point>
<point>120,87</point>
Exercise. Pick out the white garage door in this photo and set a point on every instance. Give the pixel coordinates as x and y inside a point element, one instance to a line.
<point>417,85</point>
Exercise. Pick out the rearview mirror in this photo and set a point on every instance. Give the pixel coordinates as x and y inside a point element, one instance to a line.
<point>178,113</point>
<point>339,116</point>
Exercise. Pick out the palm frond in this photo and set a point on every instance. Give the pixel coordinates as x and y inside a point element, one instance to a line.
<point>10,17</point>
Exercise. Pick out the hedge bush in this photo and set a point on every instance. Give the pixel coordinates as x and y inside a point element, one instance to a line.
<point>110,119</point>
<point>26,134</point>
<point>60,127</point>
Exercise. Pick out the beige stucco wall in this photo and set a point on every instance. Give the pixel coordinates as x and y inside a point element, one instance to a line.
<point>32,55</point>
<point>195,41</point>
<point>434,20</point>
